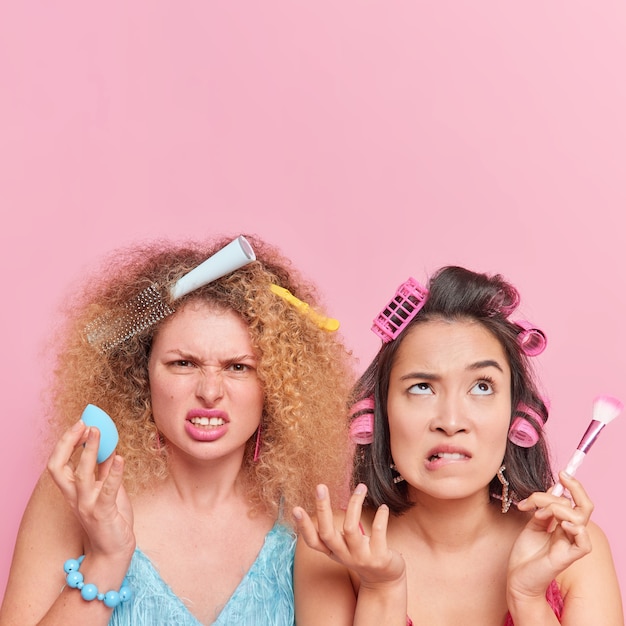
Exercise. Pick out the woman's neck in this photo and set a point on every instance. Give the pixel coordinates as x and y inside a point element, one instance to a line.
<point>450,524</point>
<point>204,484</point>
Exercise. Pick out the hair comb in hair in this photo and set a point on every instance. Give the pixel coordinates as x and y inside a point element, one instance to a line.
<point>532,340</point>
<point>152,305</point>
<point>325,323</point>
<point>401,309</point>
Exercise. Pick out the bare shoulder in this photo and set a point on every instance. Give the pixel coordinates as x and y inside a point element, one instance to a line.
<point>46,512</point>
<point>590,586</point>
<point>599,559</point>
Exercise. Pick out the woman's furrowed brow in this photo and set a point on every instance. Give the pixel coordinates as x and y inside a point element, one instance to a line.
<point>478,365</point>
<point>420,375</point>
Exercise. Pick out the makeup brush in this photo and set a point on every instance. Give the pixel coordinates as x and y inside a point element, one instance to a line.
<point>605,410</point>
<point>152,304</point>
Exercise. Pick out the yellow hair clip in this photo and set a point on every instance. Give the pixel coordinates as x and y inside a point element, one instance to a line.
<point>325,323</point>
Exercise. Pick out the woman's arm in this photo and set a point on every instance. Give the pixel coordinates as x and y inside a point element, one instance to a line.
<point>48,535</point>
<point>335,549</point>
<point>560,542</point>
<point>67,500</point>
<point>323,590</point>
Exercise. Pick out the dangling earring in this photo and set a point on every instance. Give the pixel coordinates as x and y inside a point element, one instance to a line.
<point>396,479</point>
<point>257,445</point>
<point>506,499</point>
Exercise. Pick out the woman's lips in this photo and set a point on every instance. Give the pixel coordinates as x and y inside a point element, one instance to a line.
<point>206,424</point>
<point>446,455</point>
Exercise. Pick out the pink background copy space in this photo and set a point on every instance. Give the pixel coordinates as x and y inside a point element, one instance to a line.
<point>371,141</point>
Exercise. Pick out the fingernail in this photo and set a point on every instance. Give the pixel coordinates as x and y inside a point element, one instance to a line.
<point>321,492</point>
<point>77,425</point>
<point>360,489</point>
<point>297,513</point>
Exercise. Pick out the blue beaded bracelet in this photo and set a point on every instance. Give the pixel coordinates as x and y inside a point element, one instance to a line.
<point>89,591</point>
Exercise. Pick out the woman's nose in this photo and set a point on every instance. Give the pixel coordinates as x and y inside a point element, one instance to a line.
<point>210,386</point>
<point>450,416</point>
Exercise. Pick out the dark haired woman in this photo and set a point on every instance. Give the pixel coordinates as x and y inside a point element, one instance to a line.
<point>451,520</point>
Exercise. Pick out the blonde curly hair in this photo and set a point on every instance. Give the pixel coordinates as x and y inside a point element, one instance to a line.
<point>306,372</point>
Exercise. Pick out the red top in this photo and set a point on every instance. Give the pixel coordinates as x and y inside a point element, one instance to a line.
<point>554,598</point>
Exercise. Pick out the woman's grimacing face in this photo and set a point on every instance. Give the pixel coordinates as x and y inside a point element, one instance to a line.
<point>449,408</point>
<point>207,400</point>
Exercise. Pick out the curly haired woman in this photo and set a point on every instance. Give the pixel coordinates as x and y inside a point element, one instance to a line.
<point>229,412</point>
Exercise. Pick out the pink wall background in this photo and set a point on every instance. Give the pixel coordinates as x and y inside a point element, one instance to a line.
<point>370,140</point>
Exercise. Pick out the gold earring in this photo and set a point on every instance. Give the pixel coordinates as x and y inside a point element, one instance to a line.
<point>506,499</point>
<point>396,479</point>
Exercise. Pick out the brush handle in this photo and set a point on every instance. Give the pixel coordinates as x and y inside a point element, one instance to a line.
<point>574,463</point>
<point>605,409</point>
<point>230,258</point>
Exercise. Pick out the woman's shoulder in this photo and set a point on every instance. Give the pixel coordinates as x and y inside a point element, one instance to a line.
<point>598,561</point>
<point>47,497</point>
<point>592,579</point>
<point>46,512</point>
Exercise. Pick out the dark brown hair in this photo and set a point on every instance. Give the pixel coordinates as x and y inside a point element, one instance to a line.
<point>455,293</point>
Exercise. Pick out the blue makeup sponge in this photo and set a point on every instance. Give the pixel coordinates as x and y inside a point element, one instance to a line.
<point>95,416</point>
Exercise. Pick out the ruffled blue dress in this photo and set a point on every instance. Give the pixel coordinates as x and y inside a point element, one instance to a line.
<point>264,597</point>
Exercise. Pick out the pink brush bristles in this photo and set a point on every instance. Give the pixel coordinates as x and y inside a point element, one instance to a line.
<point>605,410</point>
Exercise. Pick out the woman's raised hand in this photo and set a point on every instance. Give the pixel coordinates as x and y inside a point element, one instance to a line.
<point>94,492</point>
<point>345,541</point>
<point>555,537</point>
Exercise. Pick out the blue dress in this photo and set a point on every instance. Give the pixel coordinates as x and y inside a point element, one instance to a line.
<point>264,597</point>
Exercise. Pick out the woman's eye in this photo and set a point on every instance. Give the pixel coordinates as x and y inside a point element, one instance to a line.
<point>182,363</point>
<point>239,367</point>
<point>420,389</point>
<point>482,388</point>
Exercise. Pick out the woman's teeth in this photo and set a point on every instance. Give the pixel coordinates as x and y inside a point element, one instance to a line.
<point>447,455</point>
<point>207,421</point>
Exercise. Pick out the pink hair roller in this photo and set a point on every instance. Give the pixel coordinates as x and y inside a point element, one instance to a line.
<point>532,340</point>
<point>402,308</point>
<point>362,426</point>
<point>362,429</point>
<point>522,433</point>
<point>367,404</point>
<point>507,301</point>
